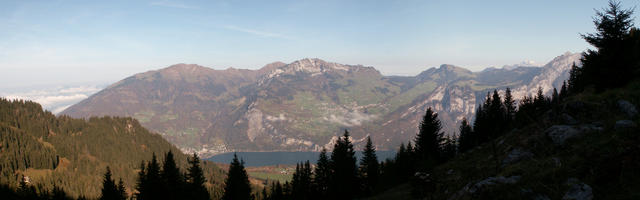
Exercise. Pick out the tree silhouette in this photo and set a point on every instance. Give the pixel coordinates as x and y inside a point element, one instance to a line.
<point>322,175</point>
<point>237,186</point>
<point>509,106</point>
<point>467,138</point>
<point>195,180</point>
<point>110,190</point>
<point>613,62</point>
<point>345,173</point>
<point>172,180</point>
<point>301,182</point>
<point>369,168</point>
<point>428,140</point>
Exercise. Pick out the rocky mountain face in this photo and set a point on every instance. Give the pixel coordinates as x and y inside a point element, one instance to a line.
<point>304,105</point>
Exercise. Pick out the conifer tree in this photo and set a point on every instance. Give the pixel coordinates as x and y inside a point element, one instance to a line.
<point>172,180</point>
<point>142,184</point>
<point>563,91</point>
<point>301,182</point>
<point>150,184</point>
<point>509,105</point>
<point>195,180</point>
<point>237,185</point>
<point>345,172</point>
<point>109,188</point>
<point>122,191</point>
<point>428,140</point>
<point>369,168</point>
<point>555,97</point>
<point>612,63</point>
<point>449,148</point>
<point>322,175</point>
<point>466,139</point>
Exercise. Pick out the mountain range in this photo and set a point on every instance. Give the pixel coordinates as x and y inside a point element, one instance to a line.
<point>306,104</point>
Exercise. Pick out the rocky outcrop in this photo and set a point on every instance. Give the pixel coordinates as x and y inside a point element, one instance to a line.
<point>624,124</point>
<point>561,133</point>
<point>578,190</point>
<point>627,108</point>
<point>516,155</point>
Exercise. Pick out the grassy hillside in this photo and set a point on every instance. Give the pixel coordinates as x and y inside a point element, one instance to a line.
<point>532,163</point>
<point>73,153</point>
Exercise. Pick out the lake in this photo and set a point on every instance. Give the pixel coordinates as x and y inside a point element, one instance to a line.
<point>257,159</point>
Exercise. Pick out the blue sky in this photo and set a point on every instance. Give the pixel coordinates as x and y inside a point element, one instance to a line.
<point>67,42</point>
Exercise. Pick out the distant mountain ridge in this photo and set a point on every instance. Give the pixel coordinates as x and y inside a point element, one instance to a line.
<point>304,105</point>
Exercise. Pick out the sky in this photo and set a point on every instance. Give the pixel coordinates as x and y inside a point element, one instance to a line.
<point>59,43</point>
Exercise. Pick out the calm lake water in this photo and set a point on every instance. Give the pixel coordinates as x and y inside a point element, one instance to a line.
<point>256,159</point>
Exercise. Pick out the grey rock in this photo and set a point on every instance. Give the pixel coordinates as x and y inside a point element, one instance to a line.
<point>541,197</point>
<point>516,155</point>
<point>560,133</point>
<point>578,190</point>
<point>575,106</point>
<point>594,127</point>
<point>568,119</point>
<point>492,181</point>
<point>471,188</point>
<point>624,124</point>
<point>627,108</point>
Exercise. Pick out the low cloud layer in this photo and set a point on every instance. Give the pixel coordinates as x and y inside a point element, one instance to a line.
<point>55,99</point>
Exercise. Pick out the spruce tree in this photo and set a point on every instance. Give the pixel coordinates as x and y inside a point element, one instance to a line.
<point>428,140</point>
<point>195,180</point>
<point>172,180</point>
<point>467,138</point>
<point>237,186</point>
<point>612,63</point>
<point>301,182</point>
<point>109,188</point>
<point>142,183</point>
<point>151,186</point>
<point>563,91</point>
<point>555,97</point>
<point>369,168</point>
<point>322,175</point>
<point>345,172</point>
<point>509,105</point>
<point>122,191</point>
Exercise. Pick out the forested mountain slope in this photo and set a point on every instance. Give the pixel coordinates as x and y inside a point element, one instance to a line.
<point>74,153</point>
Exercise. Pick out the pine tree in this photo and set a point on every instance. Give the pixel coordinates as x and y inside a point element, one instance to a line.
<point>555,98</point>
<point>369,168</point>
<point>345,172</point>
<point>449,148</point>
<point>237,185</point>
<point>613,63</point>
<point>142,183</point>
<point>277,192</point>
<point>509,105</point>
<point>172,180</point>
<point>195,180</point>
<point>122,191</point>
<point>150,184</point>
<point>109,188</point>
<point>574,84</point>
<point>467,138</point>
<point>322,175</point>
<point>563,91</point>
<point>301,181</point>
<point>428,140</point>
